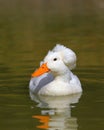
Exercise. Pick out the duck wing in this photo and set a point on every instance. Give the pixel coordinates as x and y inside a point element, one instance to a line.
<point>38,82</point>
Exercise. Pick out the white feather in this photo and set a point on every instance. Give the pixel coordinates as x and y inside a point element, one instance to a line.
<point>60,80</point>
<point>67,55</point>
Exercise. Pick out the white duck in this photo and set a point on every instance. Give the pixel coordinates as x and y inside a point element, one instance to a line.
<point>54,77</point>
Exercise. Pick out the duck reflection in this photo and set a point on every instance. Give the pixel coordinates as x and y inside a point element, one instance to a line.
<point>56,112</point>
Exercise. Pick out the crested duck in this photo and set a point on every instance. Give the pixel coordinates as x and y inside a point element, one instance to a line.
<point>54,76</point>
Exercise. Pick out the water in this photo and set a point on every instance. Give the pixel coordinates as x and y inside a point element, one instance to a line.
<point>28,29</point>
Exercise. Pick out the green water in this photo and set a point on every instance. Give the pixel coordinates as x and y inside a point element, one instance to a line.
<point>28,29</point>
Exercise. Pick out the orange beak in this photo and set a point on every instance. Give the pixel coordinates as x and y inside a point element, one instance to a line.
<point>43,69</point>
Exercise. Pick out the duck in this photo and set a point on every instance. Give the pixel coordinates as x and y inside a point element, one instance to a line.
<point>54,76</point>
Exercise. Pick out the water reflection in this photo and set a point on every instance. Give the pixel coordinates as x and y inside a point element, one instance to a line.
<point>56,112</point>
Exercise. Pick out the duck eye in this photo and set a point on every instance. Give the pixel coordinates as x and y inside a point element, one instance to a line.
<point>55,59</point>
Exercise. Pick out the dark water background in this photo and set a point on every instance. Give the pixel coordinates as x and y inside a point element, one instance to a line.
<point>28,29</point>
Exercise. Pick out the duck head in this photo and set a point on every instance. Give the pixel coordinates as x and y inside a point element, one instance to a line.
<point>58,61</point>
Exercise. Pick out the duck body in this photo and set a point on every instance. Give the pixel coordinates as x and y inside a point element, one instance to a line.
<point>54,77</point>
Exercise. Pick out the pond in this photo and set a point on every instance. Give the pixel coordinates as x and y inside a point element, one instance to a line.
<point>28,29</point>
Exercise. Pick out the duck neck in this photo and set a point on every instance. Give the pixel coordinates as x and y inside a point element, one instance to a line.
<point>63,76</point>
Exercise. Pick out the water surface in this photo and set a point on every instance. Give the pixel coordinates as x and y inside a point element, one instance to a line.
<point>28,29</point>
